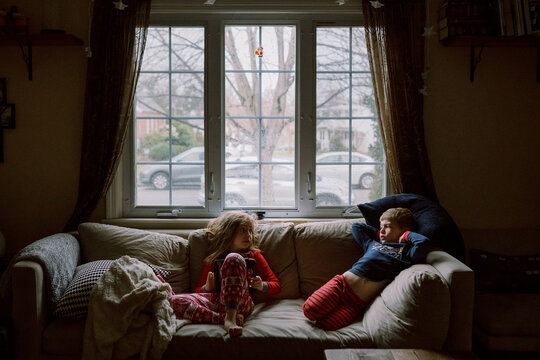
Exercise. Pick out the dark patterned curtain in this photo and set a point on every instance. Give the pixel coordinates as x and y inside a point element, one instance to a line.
<point>395,42</point>
<point>118,36</point>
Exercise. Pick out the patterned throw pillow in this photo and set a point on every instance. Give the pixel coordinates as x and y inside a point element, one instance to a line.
<point>74,302</point>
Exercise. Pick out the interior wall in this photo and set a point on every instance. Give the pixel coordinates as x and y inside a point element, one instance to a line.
<point>482,137</point>
<point>40,172</point>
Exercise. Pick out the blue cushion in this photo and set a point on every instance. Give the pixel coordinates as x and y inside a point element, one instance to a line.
<point>433,221</point>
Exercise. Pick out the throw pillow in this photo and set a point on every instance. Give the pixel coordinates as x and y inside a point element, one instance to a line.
<point>413,311</point>
<point>109,242</point>
<point>74,302</point>
<point>496,273</point>
<point>432,219</point>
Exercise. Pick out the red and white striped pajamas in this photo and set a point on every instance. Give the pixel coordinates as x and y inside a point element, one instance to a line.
<point>209,308</point>
<point>334,305</point>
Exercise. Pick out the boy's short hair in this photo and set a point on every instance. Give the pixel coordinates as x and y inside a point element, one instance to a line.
<point>403,217</point>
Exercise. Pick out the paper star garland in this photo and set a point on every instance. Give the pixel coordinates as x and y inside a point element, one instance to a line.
<point>376,4</point>
<point>119,5</point>
<point>428,31</point>
<point>423,91</point>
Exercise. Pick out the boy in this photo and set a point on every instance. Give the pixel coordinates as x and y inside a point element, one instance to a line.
<point>343,298</point>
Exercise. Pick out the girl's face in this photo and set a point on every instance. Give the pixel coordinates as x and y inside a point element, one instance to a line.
<point>242,239</point>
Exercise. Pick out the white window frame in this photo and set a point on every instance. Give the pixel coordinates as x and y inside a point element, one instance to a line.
<point>121,193</point>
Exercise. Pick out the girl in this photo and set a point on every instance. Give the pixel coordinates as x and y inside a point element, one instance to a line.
<point>231,236</point>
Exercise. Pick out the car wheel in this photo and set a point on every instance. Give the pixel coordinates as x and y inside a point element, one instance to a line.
<point>327,200</point>
<point>234,200</point>
<point>366,181</point>
<point>160,180</point>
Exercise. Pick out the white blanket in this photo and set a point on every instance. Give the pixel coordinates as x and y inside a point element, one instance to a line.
<point>129,314</point>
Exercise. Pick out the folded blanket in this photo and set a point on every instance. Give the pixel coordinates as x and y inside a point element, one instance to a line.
<point>58,255</point>
<point>129,314</point>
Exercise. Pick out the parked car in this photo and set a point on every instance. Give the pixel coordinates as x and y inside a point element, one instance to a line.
<point>187,168</point>
<point>362,175</point>
<point>242,187</point>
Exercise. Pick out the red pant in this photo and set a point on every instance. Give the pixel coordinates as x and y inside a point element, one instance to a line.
<point>209,308</point>
<point>334,305</point>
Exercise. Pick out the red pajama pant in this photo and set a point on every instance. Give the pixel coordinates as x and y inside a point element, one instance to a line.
<point>209,308</point>
<point>334,305</point>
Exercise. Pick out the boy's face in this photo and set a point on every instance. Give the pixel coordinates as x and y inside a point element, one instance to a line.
<point>390,232</point>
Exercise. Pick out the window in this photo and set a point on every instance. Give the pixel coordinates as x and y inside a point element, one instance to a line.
<point>233,112</point>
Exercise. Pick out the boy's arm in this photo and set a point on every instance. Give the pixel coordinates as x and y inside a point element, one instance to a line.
<point>363,234</point>
<point>421,246</point>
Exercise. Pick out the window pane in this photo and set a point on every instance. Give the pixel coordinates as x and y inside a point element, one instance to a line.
<point>360,60</point>
<point>278,43</point>
<point>260,108</point>
<point>187,45</point>
<point>241,94</point>
<point>332,136</point>
<point>170,141</point>
<point>187,95</point>
<point>152,95</point>
<point>349,148</point>
<point>333,49</point>
<point>333,95</point>
<point>363,99</point>
<point>242,135</point>
<point>156,50</point>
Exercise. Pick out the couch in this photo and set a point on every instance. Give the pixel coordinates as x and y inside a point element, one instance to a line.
<point>506,263</point>
<point>427,306</point>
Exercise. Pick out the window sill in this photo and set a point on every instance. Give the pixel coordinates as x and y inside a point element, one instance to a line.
<point>195,223</point>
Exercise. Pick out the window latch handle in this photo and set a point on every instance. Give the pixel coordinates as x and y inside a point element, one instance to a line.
<point>212,184</point>
<point>309,182</point>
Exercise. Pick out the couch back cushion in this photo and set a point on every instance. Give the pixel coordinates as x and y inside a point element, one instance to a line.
<point>277,247</point>
<point>109,242</point>
<point>323,250</point>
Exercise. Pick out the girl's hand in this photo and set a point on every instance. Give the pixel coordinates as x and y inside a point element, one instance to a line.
<point>209,286</point>
<point>257,283</point>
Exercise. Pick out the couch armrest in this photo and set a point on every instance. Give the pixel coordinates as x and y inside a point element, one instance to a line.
<point>29,310</point>
<point>460,279</point>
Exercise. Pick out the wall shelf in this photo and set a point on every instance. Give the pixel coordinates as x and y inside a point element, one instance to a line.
<point>31,40</point>
<point>474,42</point>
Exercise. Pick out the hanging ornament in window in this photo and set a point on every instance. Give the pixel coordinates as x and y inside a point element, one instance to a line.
<point>259,51</point>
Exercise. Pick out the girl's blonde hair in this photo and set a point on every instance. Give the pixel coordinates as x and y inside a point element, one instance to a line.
<point>221,230</point>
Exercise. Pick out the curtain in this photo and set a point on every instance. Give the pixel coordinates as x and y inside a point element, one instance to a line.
<point>117,41</point>
<point>395,42</point>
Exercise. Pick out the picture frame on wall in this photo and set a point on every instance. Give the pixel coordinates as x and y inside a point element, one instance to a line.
<point>3,91</point>
<point>7,116</point>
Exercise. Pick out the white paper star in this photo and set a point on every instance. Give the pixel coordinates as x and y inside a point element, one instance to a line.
<point>425,75</point>
<point>209,2</point>
<point>340,2</point>
<point>376,4</point>
<point>423,91</point>
<point>119,5</point>
<point>428,31</point>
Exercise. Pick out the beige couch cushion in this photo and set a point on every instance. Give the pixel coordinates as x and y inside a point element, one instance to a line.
<point>275,330</point>
<point>323,250</point>
<point>102,241</point>
<point>277,247</point>
<point>413,311</point>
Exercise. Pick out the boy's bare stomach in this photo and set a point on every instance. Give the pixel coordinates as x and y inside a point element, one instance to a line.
<point>363,288</point>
